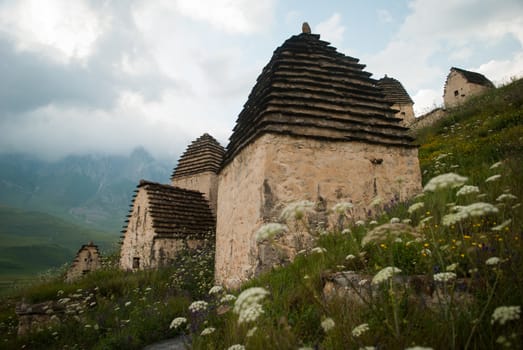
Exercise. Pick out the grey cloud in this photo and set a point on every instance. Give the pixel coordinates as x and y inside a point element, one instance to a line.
<point>30,80</point>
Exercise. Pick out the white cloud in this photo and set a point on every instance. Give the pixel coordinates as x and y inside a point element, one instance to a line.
<point>331,29</point>
<point>64,30</point>
<point>503,71</point>
<point>231,16</point>
<point>131,122</point>
<point>426,100</point>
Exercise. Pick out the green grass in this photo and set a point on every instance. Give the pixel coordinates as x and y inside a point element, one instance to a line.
<point>33,242</point>
<point>127,314</point>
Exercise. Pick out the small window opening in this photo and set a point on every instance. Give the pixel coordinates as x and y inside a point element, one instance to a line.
<point>136,263</point>
<point>456,93</point>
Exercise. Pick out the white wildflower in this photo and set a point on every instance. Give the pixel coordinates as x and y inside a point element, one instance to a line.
<point>207,331</point>
<point>350,257</point>
<point>449,180</point>
<point>373,222</point>
<point>360,223</point>
<point>428,218</point>
<point>346,231</point>
<point>496,165</point>
<point>444,277</point>
<point>327,324</point>
<point>247,306</point>
<point>236,347</point>
<point>269,231</point>
<point>442,155</point>
<point>367,348</point>
<point>376,201</point>
<point>506,197</point>
<point>426,252</point>
<point>492,261</point>
<point>406,221</point>
<point>503,314</point>
<point>502,225</point>
<point>227,298</point>
<point>415,207</point>
<point>127,303</point>
<point>318,250</point>
<point>419,348</point>
<point>250,314</point>
<point>395,220</point>
<point>467,189</point>
<point>493,178</point>
<point>296,210</point>
<point>216,290</point>
<point>388,231</point>
<point>342,208</point>
<point>359,330</point>
<point>452,267</point>
<point>385,274</point>
<point>198,306</point>
<point>251,332</point>
<point>177,322</point>
<point>467,211</point>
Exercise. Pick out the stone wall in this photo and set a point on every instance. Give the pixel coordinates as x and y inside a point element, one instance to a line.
<point>138,240</point>
<point>428,119</point>
<point>458,89</point>
<point>206,183</point>
<point>406,113</point>
<point>142,248</point>
<point>276,170</point>
<point>37,317</point>
<point>87,260</point>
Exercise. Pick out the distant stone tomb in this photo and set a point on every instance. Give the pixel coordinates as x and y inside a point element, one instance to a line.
<point>164,220</point>
<point>462,84</point>
<point>87,259</point>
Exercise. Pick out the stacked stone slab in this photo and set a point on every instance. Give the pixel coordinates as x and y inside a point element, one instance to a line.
<point>315,127</point>
<point>462,84</point>
<point>87,259</point>
<point>399,97</point>
<point>198,167</point>
<point>308,89</point>
<point>162,221</point>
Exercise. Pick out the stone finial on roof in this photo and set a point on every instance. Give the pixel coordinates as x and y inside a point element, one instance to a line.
<point>204,154</point>
<point>305,28</point>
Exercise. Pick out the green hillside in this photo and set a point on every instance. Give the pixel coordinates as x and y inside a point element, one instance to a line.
<point>33,242</point>
<point>449,278</point>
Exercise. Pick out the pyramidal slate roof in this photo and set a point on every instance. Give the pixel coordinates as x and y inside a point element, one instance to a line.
<point>394,90</point>
<point>203,154</point>
<point>176,212</point>
<point>309,89</point>
<point>473,77</point>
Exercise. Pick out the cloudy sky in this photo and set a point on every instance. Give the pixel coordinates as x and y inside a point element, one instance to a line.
<point>81,76</point>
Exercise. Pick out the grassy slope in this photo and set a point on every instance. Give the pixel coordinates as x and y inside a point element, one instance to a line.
<point>32,242</point>
<point>469,141</point>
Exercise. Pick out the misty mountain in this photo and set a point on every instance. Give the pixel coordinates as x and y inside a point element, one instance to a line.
<point>90,190</point>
